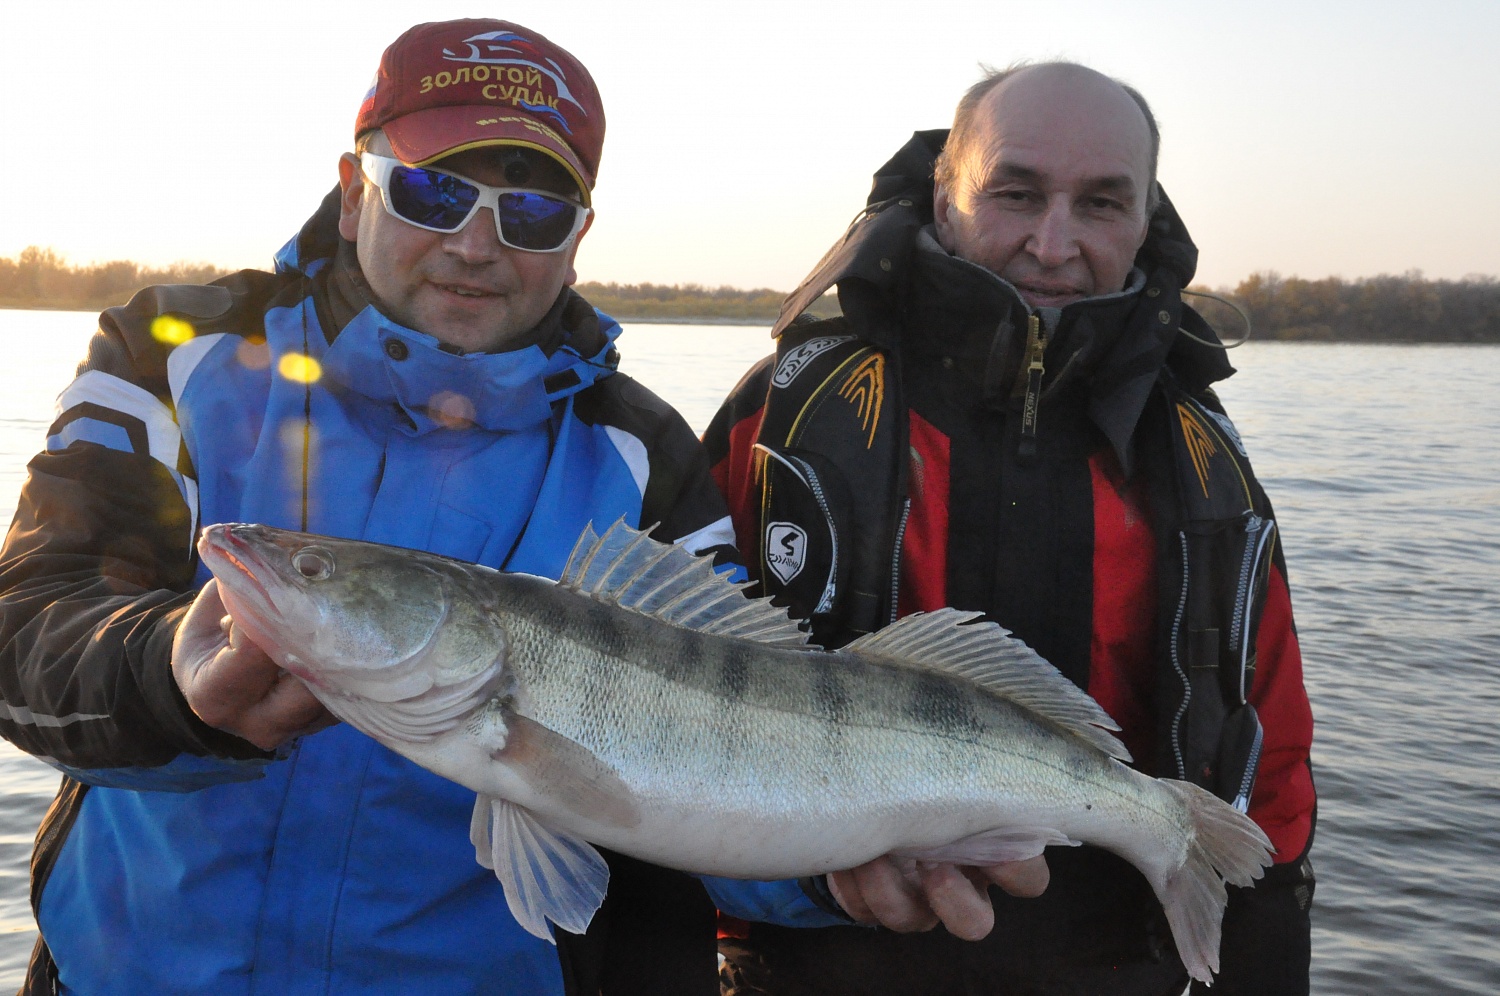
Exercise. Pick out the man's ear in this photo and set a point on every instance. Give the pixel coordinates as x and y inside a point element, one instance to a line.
<point>571,277</point>
<point>942,217</point>
<point>351,196</point>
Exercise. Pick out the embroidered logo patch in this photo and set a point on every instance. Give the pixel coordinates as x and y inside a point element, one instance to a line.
<point>786,550</point>
<point>797,360</point>
<point>864,388</point>
<point>1230,431</point>
<point>1200,443</point>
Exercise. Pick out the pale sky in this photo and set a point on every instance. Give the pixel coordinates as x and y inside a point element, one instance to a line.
<point>1313,138</point>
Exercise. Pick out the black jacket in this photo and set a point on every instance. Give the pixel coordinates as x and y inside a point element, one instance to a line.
<point>1018,540</point>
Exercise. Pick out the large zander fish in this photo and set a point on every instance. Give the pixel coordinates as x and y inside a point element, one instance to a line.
<point>643,704</point>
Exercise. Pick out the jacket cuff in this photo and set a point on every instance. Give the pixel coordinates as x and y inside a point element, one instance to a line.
<point>815,887</point>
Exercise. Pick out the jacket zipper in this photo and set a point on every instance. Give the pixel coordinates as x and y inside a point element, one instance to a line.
<point>825,604</point>
<point>896,557</point>
<point>1253,525</point>
<point>1187,686</point>
<point>1252,764</point>
<point>1036,348</point>
<point>1259,533</point>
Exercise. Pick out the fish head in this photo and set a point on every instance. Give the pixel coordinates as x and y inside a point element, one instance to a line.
<point>357,619</point>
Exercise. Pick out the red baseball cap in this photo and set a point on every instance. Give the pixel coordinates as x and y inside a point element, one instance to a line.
<point>452,85</point>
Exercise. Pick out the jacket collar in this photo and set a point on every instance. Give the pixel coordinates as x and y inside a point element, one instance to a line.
<point>964,313</point>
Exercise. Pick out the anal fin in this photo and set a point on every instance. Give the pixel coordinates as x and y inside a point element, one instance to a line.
<point>547,875</point>
<point>994,846</point>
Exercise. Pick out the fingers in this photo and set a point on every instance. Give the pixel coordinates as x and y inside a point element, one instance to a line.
<point>287,710</point>
<point>1023,879</point>
<point>878,892</point>
<point>905,896</point>
<point>233,685</point>
<point>229,681</point>
<point>207,609</point>
<point>200,636</point>
<point>962,904</point>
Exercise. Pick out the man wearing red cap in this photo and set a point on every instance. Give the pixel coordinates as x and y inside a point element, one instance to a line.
<point>417,372</point>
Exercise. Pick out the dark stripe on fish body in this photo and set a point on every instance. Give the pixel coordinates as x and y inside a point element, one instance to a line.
<point>831,693</point>
<point>607,628</point>
<point>686,662</point>
<point>734,675</point>
<point>939,703</point>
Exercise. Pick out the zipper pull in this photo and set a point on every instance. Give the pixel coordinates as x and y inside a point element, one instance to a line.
<point>1036,347</point>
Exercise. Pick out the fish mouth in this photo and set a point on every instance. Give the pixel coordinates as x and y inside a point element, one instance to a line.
<point>220,547</point>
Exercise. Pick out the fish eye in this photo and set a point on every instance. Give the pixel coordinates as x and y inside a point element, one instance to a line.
<point>313,562</point>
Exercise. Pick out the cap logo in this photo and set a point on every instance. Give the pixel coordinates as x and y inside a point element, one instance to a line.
<point>526,123</point>
<point>446,86</point>
<point>506,48</point>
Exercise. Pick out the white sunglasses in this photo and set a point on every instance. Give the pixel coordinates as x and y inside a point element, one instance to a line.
<point>438,201</point>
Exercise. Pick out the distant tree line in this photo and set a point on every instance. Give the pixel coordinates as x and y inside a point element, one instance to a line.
<point>683,301</point>
<point>40,278</point>
<point>1406,308</point>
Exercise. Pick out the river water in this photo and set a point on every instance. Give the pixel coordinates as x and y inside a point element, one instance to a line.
<point>1384,464</point>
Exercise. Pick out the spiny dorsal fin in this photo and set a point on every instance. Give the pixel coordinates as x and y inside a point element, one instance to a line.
<point>988,655</point>
<point>628,568</point>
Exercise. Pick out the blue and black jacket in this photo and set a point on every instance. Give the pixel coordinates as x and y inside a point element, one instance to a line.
<point>178,857</point>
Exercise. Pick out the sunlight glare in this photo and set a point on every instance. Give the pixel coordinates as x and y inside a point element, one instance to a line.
<point>299,368</point>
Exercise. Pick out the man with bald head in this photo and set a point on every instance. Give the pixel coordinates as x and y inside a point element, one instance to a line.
<point>1013,415</point>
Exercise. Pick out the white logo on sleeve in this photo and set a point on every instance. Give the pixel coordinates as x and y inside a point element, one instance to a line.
<point>786,550</point>
<point>1228,427</point>
<point>796,360</point>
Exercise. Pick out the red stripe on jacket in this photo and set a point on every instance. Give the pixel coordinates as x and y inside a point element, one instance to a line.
<point>924,551</point>
<point>1122,672</point>
<point>1282,802</point>
<point>736,477</point>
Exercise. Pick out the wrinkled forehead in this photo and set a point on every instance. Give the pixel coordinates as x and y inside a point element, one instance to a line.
<point>1063,120</point>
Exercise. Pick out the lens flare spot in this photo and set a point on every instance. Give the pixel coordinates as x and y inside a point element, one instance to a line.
<point>451,409</point>
<point>299,368</point>
<point>253,354</point>
<point>172,331</point>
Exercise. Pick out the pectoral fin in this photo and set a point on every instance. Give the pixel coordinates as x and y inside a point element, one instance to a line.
<point>566,772</point>
<point>547,875</point>
<point>994,846</point>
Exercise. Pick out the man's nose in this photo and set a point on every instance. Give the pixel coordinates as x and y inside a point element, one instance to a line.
<point>1054,240</point>
<point>478,241</point>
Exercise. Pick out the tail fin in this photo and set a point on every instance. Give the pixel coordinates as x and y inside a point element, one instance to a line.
<point>1225,846</point>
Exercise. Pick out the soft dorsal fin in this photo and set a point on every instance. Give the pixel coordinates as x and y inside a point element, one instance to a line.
<point>988,655</point>
<point>628,568</point>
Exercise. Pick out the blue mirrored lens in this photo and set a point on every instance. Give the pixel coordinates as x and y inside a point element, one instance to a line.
<point>535,221</point>
<point>436,200</point>
<point>442,201</point>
